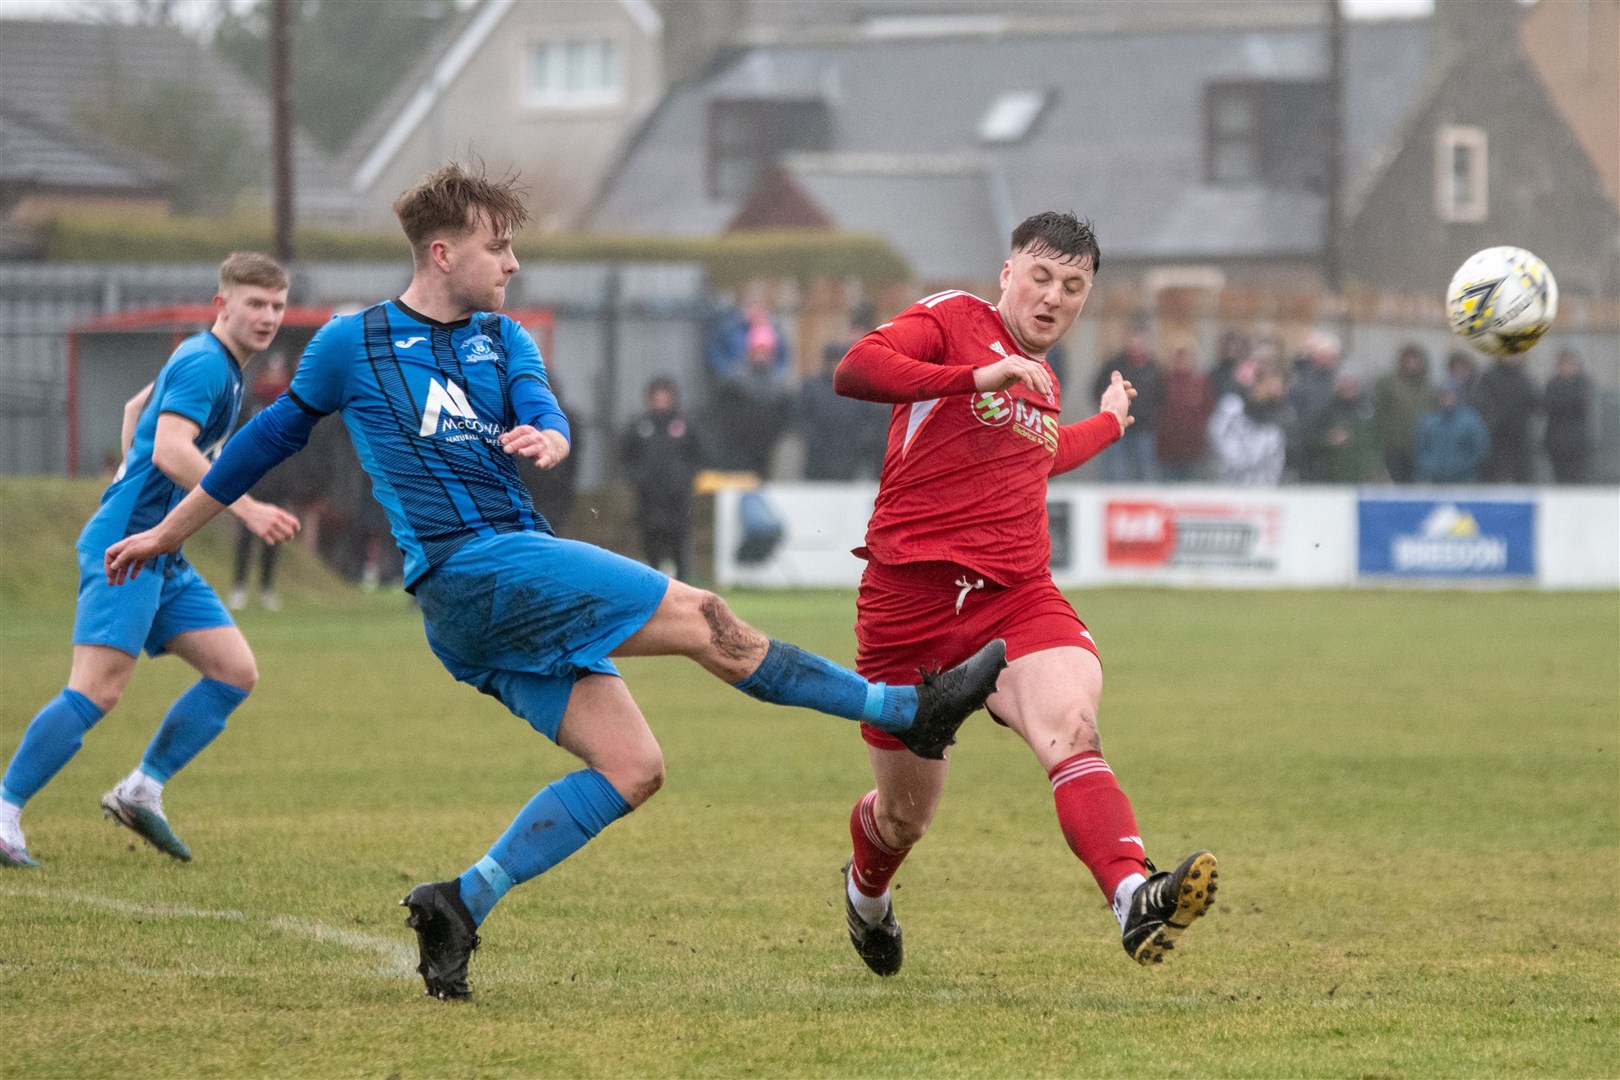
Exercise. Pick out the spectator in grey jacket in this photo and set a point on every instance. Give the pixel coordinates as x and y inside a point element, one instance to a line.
<point>1401,397</point>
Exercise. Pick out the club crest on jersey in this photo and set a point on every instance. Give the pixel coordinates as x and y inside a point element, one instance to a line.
<point>476,348</point>
<point>992,408</point>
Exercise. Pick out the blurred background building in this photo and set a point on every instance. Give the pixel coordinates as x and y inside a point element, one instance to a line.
<point>1264,168</point>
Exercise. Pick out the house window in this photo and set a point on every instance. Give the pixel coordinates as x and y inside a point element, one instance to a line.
<point>748,136</point>
<point>1460,190</point>
<point>1232,118</point>
<point>1271,133</point>
<point>573,74</point>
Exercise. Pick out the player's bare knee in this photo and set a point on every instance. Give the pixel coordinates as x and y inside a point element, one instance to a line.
<point>652,779</point>
<point>902,829</point>
<point>1077,734</point>
<point>1086,734</point>
<point>637,777</point>
<point>104,695</point>
<point>244,675</point>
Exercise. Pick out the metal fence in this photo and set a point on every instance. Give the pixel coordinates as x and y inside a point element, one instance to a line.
<point>617,325</point>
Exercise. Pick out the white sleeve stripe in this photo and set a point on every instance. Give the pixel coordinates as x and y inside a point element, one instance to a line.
<point>940,298</point>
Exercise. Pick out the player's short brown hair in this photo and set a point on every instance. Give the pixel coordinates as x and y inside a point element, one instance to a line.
<point>251,268</point>
<point>1061,235</point>
<point>451,201</point>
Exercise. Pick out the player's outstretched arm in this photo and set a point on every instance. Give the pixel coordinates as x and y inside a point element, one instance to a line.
<point>873,370</point>
<point>175,453</point>
<point>267,521</point>
<point>125,558</point>
<point>1079,443</point>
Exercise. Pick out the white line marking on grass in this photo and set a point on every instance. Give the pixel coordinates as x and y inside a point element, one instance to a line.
<point>394,958</point>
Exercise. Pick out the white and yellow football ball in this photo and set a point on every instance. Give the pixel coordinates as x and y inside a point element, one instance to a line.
<point>1502,300</point>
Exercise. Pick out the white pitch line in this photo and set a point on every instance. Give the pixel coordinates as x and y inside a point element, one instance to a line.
<point>394,958</point>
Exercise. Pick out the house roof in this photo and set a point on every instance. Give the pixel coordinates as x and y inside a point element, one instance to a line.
<point>1121,142</point>
<point>905,197</point>
<point>55,72</point>
<point>34,156</point>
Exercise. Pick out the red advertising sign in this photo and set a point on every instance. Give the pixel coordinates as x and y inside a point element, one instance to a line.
<point>1156,533</point>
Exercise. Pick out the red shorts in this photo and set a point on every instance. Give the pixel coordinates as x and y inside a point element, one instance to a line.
<point>936,614</point>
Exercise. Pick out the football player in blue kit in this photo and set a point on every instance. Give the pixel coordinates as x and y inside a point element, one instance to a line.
<point>441,396</point>
<point>169,429</point>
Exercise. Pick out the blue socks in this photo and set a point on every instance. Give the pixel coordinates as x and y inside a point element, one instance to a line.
<point>790,676</point>
<point>194,720</point>
<point>56,734</point>
<point>556,823</point>
<point>52,738</point>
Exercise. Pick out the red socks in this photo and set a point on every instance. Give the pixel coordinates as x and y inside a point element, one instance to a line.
<point>1096,819</point>
<point>875,862</point>
<point>1094,813</point>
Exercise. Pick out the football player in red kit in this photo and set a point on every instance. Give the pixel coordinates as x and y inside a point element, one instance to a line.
<point>957,552</point>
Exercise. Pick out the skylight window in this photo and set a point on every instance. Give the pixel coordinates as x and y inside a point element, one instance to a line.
<point>1011,115</point>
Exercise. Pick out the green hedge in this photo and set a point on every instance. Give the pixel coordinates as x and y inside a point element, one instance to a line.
<point>730,259</point>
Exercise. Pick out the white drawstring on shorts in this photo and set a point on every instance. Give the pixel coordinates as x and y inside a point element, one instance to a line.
<point>966,586</point>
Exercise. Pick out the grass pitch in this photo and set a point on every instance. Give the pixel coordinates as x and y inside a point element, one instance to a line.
<point>1415,797</point>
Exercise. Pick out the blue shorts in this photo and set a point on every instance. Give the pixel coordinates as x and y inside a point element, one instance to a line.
<point>147,612</point>
<point>523,615</point>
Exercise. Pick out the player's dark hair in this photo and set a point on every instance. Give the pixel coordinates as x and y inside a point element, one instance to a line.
<point>1061,235</point>
<point>664,383</point>
<point>451,201</point>
<point>251,268</point>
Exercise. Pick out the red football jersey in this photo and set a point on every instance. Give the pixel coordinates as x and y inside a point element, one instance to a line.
<point>964,476</point>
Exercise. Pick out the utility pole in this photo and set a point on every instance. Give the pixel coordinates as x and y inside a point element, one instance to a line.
<point>1333,246</point>
<point>281,99</point>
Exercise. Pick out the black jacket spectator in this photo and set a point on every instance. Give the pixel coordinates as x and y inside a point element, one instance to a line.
<point>662,454</point>
<point>1568,402</point>
<point>1508,402</point>
<point>843,438</point>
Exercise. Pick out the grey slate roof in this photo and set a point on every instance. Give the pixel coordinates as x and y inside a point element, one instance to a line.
<point>905,199</point>
<point>1122,141</point>
<point>32,156</point>
<point>54,72</point>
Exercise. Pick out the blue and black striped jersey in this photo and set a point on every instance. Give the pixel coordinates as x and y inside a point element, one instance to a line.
<point>425,404</point>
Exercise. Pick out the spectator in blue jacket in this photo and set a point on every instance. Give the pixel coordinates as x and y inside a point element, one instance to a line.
<point>1452,442</point>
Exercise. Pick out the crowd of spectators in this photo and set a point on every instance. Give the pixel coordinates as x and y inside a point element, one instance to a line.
<point>755,401</point>
<point>1254,416</point>
<point>1254,419</point>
